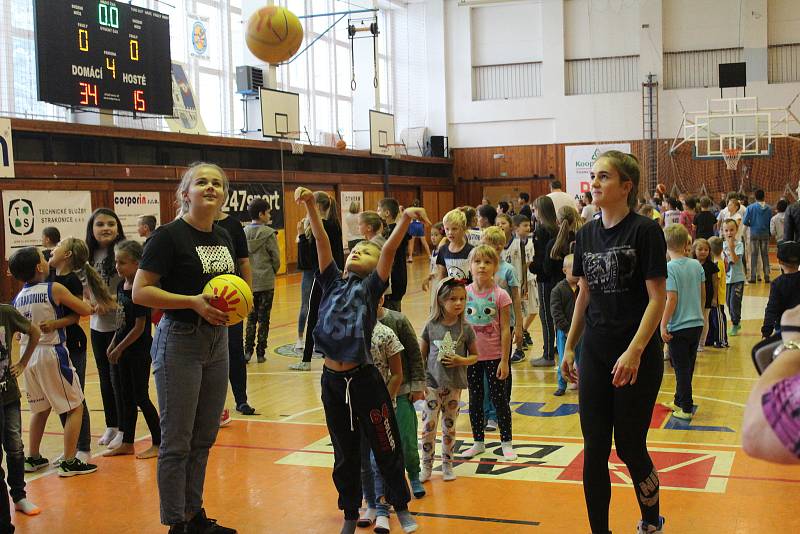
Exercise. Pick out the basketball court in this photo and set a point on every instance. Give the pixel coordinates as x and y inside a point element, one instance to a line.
<point>271,472</point>
<point>364,100</point>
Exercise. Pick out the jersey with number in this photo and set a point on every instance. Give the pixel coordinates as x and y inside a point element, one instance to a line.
<point>35,302</point>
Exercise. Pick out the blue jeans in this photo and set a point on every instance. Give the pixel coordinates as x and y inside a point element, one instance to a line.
<point>733,297</point>
<point>15,450</point>
<point>380,499</point>
<point>190,364</point>
<point>561,343</point>
<point>305,294</point>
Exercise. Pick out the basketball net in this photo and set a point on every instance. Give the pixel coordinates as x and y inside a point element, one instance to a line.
<point>731,157</point>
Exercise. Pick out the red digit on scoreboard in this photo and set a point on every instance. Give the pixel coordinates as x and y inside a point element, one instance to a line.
<point>139,103</point>
<point>88,93</point>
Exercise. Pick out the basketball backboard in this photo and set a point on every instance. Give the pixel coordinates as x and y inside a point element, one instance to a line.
<point>734,123</point>
<point>280,114</point>
<point>381,133</point>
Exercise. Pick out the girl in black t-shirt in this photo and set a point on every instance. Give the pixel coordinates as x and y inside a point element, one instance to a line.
<point>130,350</point>
<point>190,347</point>
<point>620,260</point>
<point>545,232</point>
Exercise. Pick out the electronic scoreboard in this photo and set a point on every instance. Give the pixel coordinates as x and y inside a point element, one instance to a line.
<point>103,54</point>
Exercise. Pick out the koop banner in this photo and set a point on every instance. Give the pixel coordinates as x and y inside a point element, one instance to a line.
<point>578,160</point>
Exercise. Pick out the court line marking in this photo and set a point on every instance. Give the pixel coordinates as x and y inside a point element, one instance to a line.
<point>478,519</point>
<point>739,404</point>
<point>517,434</point>
<point>304,412</point>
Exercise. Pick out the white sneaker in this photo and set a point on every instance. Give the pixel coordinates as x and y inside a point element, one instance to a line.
<point>425,474</point>
<point>447,472</point>
<point>27,507</point>
<point>491,425</point>
<point>477,448</point>
<point>300,366</point>
<point>572,386</point>
<point>83,456</point>
<point>116,442</point>
<point>367,518</point>
<point>57,461</point>
<point>382,524</point>
<point>299,345</point>
<point>508,451</point>
<point>107,436</point>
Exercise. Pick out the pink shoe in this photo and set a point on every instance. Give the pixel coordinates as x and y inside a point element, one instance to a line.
<point>225,418</point>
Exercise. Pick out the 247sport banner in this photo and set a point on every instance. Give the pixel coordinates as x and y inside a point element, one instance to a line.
<point>578,161</point>
<point>26,213</point>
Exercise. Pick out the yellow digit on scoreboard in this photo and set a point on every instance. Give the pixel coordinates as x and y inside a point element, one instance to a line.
<point>134,50</point>
<point>83,40</point>
<point>111,64</point>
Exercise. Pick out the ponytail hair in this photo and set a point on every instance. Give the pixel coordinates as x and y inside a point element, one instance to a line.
<point>79,263</point>
<point>568,225</point>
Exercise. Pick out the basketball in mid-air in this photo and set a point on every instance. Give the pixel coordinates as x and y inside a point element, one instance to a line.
<point>661,188</point>
<point>273,34</point>
<point>230,294</point>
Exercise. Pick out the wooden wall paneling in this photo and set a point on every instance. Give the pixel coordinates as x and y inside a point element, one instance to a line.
<point>430,201</point>
<point>371,199</point>
<point>446,203</point>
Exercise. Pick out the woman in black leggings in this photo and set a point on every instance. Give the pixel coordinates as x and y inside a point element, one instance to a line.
<point>620,260</point>
<point>546,230</point>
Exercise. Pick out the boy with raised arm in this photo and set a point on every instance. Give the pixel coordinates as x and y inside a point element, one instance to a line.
<point>354,394</point>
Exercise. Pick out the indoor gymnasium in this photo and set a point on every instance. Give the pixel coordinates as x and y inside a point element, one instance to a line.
<point>334,266</point>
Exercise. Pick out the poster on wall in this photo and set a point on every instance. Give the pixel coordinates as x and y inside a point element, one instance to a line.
<point>578,161</point>
<point>130,205</point>
<point>26,213</point>
<point>186,117</point>
<point>6,150</point>
<point>198,36</point>
<point>241,194</point>
<point>347,198</point>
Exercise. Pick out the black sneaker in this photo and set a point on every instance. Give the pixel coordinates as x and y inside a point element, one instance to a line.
<point>34,464</point>
<point>526,339</point>
<point>245,409</point>
<point>248,356</point>
<point>262,358</point>
<point>75,467</point>
<point>179,528</point>
<point>200,524</point>
<point>518,356</point>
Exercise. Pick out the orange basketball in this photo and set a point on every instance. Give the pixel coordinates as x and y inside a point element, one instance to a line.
<point>661,188</point>
<point>340,144</point>
<point>273,34</point>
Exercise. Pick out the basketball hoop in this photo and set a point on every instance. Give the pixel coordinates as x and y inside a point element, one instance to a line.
<point>731,157</point>
<point>297,147</point>
<point>396,153</point>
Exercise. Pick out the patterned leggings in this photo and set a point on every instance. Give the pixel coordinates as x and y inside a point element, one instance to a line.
<point>259,316</point>
<point>444,401</point>
<point>499,392</point>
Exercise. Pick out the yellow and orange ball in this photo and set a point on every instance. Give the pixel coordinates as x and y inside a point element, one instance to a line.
<point>274,34</point>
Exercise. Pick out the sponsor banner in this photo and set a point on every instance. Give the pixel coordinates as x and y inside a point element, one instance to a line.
<point>241,194</point>
<point>347,198</point>
<point>185,115</point>
<point>26,213</point>
<point>578,161</point>
<point>561,463</point>
<point>130,205</point>
<point>6,150</point>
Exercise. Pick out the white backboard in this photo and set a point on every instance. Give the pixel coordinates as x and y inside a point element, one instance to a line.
<point>280,114</point>
<point>381,133</point>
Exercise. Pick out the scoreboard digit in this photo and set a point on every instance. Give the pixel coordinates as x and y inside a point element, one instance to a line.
<point>105,54</point>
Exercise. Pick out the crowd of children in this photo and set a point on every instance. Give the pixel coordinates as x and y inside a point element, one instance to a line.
<point>491,274</point>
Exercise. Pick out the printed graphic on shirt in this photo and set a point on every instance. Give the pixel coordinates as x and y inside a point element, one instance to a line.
<point>446,346</point>
<point>215,259</point>
<point>481,311</point>
<point>609,272</point>
<point>457,268</point>
<point>348,323</point>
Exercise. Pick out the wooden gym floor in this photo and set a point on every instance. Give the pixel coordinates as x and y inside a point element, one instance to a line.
<point>271,472</point>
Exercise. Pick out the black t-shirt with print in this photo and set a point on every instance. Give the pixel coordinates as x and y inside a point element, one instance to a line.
<point>616,263</point>
<point>127,314</point>
<point>704,222</point>
<point>76,337</point>
<point>710,268</point>
<point>456,263</point>
<point>187,259</point>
